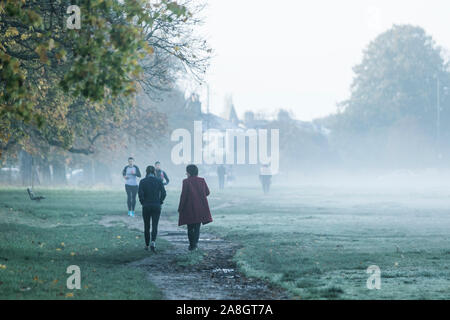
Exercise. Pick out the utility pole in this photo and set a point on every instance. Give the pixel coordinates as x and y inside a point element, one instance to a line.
<point>208,98</point>
<point>438,118</point>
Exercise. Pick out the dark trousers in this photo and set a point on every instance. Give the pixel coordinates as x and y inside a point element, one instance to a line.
<point>266,181</point>
<point>153,214</point>
<point>193,234</point>
<point>131,196</point>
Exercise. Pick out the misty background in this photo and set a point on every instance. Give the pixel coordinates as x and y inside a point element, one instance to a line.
<point>358,89</point>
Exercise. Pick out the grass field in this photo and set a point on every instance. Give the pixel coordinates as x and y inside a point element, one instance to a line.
<point>318,242</point>
<point>38,241</point>
<point>315,242</point>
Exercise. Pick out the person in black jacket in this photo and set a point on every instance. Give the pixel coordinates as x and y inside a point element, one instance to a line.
<point>161,174</point>
<point>130,174</point>
<point>151,196</point>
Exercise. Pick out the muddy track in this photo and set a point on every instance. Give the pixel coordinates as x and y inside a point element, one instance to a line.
<point>215,277</point>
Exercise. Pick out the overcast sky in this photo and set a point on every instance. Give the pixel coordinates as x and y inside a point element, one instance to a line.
<point>299,55</point>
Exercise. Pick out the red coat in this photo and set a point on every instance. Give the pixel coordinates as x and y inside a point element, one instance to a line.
<point>193,207</point>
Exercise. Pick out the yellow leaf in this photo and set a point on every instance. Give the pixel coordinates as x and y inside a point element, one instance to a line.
<point>58,249</point>
<point>62,244</point>
<point>69,295</point>
<point>51,44</point>
<point>41,50</point>
<point>2,266</point>
<point>11,32</point>
<point>72,254</point>
<point>118,237</point>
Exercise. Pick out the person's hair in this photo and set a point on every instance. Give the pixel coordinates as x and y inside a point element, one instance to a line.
<point>192,169</point>
<point>130,158</point>
<point>150,169</point>
<point>157,162</point>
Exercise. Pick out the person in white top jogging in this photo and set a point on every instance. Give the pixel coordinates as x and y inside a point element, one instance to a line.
<point>130,173</point>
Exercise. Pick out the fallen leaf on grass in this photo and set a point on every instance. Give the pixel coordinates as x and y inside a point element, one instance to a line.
<point>2,266</point>
<point>72,254</point>
<point>69,295</point>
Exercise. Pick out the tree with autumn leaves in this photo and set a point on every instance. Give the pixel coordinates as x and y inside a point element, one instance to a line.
<point>75,90</point>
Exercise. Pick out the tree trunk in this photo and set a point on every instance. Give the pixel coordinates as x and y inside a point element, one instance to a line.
<point>45,169</point>
<point>59,172</point>
<point>25,168</point>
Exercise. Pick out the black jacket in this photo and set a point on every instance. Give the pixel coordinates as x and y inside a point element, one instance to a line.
<point>160,174</point>
<point>151,192</point>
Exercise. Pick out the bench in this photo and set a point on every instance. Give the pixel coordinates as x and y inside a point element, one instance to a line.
<point>33,197</point>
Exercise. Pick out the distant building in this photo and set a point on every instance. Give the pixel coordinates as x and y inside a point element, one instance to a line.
<point>230,112</point>
<point>250,122</point>
<point>230,119</point>
<point>194,105</point>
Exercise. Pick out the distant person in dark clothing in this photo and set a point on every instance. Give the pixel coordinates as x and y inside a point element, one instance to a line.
<point>151,196</point>
<point>193,208</point>
<point>221,171</point>
<point>265,175</point>
<point>130,173</point>
<point>161,174</point>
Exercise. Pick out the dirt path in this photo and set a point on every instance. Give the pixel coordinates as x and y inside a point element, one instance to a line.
<point>214,277</point>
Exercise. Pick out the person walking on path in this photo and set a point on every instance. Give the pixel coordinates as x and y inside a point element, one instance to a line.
<point>221,171</point>
<point>130,173</point>
<point>151,196</point>
<point>161,174</point>
<point>265,175</point>
<point>193,208</point>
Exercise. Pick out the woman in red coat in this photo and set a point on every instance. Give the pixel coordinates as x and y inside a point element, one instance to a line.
<point>193,207</point>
